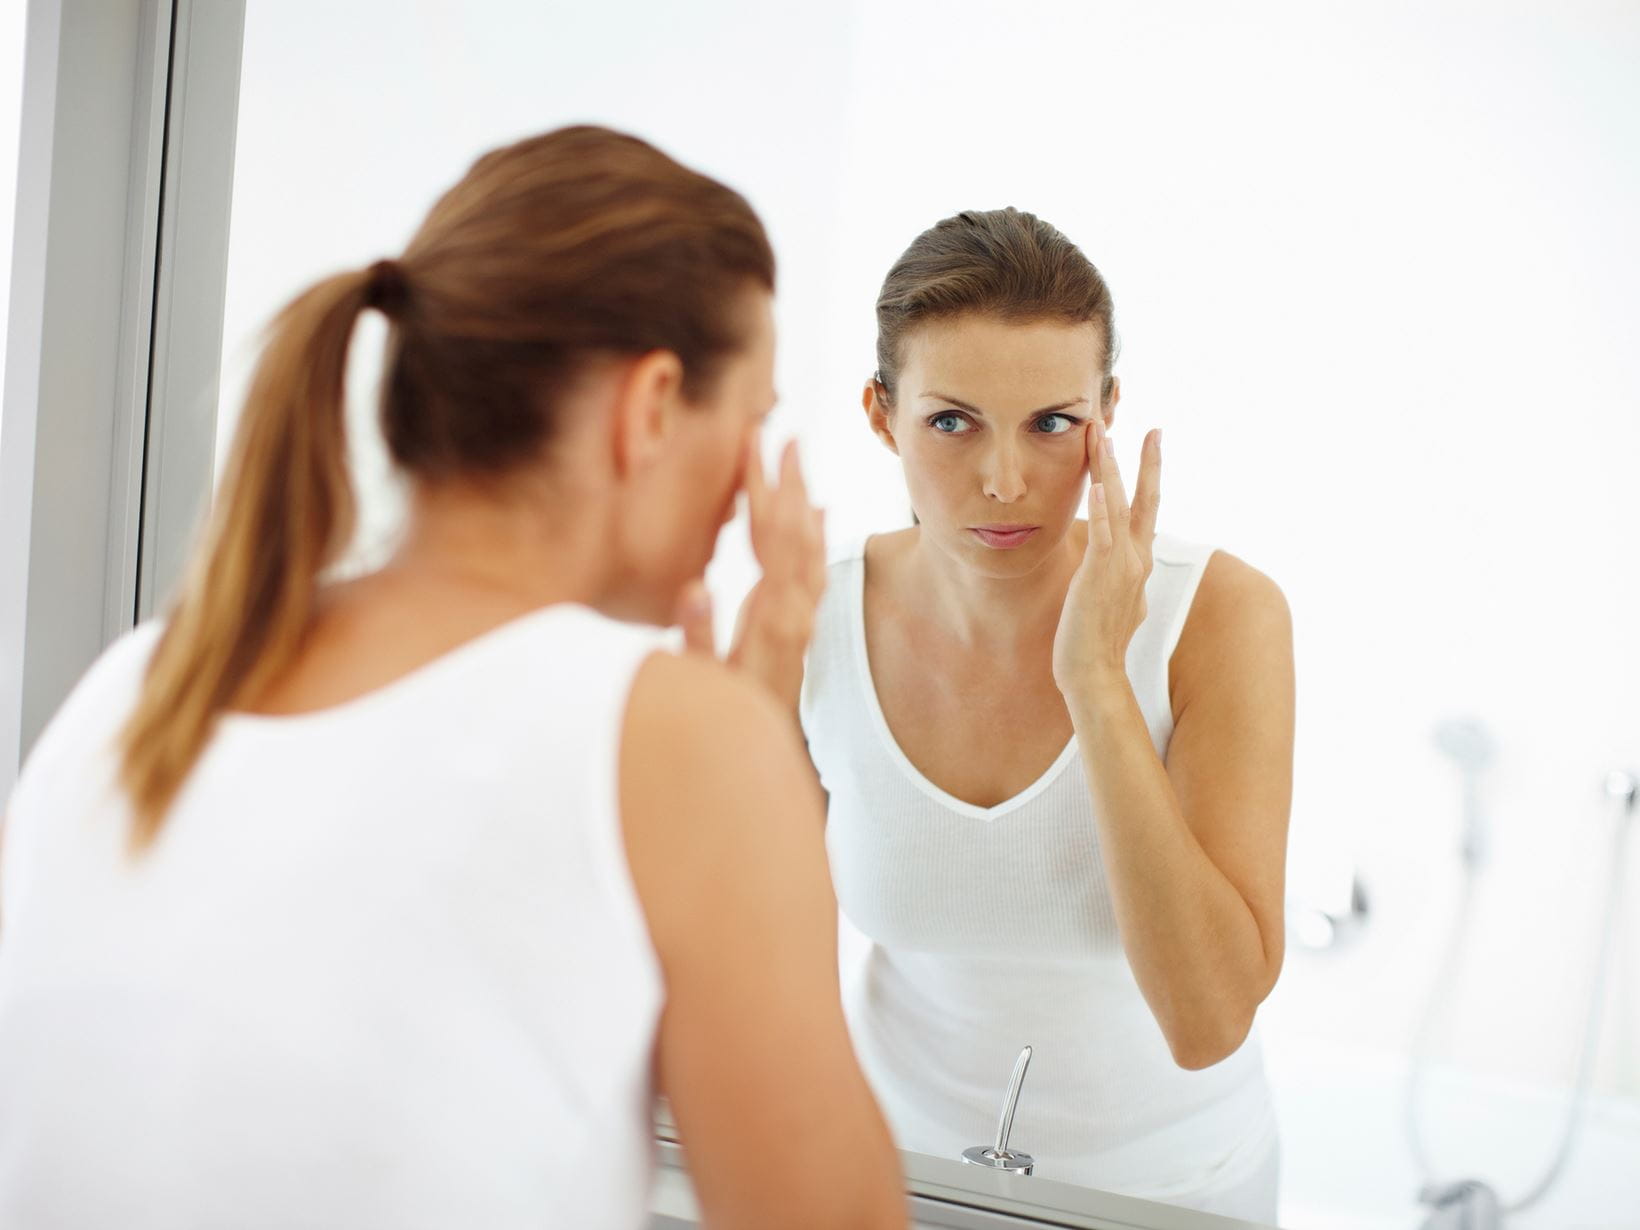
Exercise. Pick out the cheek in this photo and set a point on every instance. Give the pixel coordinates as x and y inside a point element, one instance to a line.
<point>1067,460</point>
<point>693,485</point>
<point>934,477</point>
<point>1066,473</point>
<point>930,460</point>
<point>714,478</point>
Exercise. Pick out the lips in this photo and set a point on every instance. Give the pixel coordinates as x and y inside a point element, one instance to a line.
<point>1003,537</point>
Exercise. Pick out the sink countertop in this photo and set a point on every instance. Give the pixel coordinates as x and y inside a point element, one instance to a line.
<point>950,1193</point>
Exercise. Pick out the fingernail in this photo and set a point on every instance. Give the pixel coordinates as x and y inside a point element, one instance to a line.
<point>1110,447</point>
<point>1099,493</point>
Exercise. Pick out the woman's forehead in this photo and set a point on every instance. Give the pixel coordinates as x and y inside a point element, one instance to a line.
<point>994,363</point>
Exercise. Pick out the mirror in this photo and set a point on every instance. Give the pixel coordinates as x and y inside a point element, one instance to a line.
<point>1372,270</point>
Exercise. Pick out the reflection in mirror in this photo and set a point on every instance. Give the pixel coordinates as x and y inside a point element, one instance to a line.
<point>1371,268</point>
<point>1057,749</point>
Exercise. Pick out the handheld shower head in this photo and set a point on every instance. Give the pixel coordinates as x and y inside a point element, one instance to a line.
<point>1470,745</point>
<point>1466,741</point>
<point>1623,786</point>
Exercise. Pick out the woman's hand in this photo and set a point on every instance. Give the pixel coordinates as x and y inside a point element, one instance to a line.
<point>1106,601</point>
<point>777,619</point>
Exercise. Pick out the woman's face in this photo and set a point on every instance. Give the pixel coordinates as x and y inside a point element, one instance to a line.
<point>989,422</point>
<point>689,497</point>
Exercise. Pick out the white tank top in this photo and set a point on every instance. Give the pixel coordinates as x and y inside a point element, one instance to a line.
<point>979,930</point>
<point>384,967</point>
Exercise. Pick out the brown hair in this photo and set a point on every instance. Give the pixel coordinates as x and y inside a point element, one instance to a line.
<point>566,245</point>
<point>1002,262</point>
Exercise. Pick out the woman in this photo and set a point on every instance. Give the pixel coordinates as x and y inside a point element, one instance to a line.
<point>393,902</point>
<point>1057,752</point>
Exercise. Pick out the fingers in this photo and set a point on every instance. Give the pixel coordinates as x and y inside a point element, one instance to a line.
<point>1098,521</point>
<point>791,470</point>
<point>796,516</point>
<point>695,618</point>
<point>1116,500</point>
<point>803,524</point>
<point>1147,496</point>
<point>793,489</point>
<point>783,520</point>
<point>787,532</point>
<point>768,506</point>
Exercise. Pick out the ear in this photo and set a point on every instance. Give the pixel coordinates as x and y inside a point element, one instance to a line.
<point>1108,410</point>
<point>880,415</point>
<point>648,400</point>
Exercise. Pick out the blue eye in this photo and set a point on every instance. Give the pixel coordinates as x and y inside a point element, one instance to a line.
<point>1070,424</point>
<point>948,416</point>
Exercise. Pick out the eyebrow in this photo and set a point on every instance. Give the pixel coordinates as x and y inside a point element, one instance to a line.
<point>962,405</point>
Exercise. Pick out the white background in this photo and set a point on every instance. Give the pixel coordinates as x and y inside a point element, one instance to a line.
<point>1375,271</point>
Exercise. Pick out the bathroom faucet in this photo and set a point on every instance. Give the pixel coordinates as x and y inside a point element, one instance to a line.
<point>997,1156</point>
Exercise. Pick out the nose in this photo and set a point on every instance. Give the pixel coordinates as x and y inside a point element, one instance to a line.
<point>1004,479</point>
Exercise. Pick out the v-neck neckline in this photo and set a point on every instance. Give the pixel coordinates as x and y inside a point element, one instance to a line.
<point>915,775</point>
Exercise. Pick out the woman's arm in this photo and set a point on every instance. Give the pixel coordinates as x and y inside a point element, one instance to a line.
<point>789,695</point>
<point>1196,850</point>
<point>722,821</point>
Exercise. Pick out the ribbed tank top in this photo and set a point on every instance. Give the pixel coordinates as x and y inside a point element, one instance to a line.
<point>978,930</point>
<point>384,966</point>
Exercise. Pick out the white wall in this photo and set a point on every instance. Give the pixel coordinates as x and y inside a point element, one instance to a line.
<point>1374,271</point>
<point>346,139</point>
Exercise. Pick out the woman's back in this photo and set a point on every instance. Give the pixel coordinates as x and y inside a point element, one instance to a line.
<point>385,965</point>
<point>392,948</point>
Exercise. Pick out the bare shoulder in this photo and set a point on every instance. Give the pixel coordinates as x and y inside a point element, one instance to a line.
<point>713,776</point>
<point>677,687</point>
<point>882,555</point>
<point>894,540</point>
<point>1239,624</point>
<point>887,548</point>
<point>1231,583</point>
<point>692,716</point>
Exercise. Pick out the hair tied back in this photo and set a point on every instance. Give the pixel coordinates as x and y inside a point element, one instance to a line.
<point>387,291</point>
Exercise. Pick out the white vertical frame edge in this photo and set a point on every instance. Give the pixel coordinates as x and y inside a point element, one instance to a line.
<point>120,257</point>
<point>192,287</point>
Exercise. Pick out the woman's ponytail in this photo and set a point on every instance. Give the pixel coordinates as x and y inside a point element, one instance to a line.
<point>285,511</point>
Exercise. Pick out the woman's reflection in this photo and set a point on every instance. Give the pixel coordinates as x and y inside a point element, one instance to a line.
<point>1058,751</point>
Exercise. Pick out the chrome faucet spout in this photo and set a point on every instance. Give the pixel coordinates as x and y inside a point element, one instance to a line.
<point>998,1156</point>
<point>1005,1125</point>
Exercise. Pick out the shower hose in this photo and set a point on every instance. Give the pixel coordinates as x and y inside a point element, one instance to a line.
<point>1620,787</point>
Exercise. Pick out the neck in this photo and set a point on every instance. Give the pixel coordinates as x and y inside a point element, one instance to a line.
<point>1000,616</point>
<point>502,543</point>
